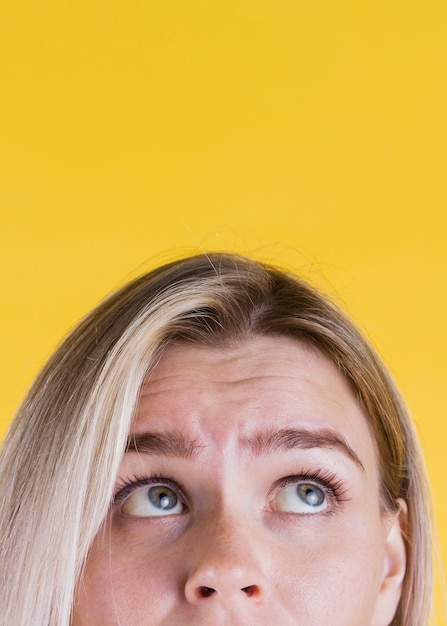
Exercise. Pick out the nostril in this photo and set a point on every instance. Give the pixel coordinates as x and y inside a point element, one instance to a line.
<point>251,590</point>
<point>206,592</point>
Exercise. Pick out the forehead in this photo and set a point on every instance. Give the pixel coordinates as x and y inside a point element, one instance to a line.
<point>225,396</point>
<point>281,362</point>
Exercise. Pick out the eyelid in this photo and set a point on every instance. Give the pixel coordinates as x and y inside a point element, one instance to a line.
<point>332,486</point>
<point>126,487</point>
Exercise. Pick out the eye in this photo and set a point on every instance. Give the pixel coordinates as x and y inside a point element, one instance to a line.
<point>302,498</point>
<point>152,501</point>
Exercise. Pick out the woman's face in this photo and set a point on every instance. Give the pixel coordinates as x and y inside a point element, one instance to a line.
<point>249,495</point>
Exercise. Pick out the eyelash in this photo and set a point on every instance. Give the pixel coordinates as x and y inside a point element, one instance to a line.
<point>127,487</point>
<point>333,487</point>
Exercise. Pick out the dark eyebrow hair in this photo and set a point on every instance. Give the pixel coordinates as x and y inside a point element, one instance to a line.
<point>175,444</point>
<point>268,442</point>
<point>168,444</point>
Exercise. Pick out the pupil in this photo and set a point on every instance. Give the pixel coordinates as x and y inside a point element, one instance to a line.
<point>164,501</point>
<point>311,495</point>
<point>162,498</point>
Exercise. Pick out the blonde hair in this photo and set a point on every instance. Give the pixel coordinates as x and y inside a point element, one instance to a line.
<point>64,448</point>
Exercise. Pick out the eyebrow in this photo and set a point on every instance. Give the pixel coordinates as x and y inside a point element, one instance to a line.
<point>271,441</point>
<point>264,442</point>
<point>173,444</point>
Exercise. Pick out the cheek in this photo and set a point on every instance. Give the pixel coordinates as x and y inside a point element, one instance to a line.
<point>333,579</point>
<point>127,582</point>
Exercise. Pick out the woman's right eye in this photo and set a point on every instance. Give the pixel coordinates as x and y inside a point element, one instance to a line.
<point>152,501</point>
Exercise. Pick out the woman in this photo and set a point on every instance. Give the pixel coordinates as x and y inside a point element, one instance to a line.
<point>214,444</point>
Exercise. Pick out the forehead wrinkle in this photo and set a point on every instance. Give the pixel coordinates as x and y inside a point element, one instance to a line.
<point>160,382</point>
<point>267,442</point>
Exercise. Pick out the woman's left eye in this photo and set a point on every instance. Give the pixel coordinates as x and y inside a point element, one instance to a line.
<point>152,501</point>
<point>301,497</point>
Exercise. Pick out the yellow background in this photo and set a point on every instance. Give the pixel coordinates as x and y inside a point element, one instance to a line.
<point>312,134</point>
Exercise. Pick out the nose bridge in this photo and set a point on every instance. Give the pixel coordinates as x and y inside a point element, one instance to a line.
<point>227,562</point>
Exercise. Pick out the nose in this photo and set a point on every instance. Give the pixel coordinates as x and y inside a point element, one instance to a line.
<point>227,567</point>
<point>226,586</point>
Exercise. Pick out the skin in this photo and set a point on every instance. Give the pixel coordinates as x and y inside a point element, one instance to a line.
<point>238,544</point>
